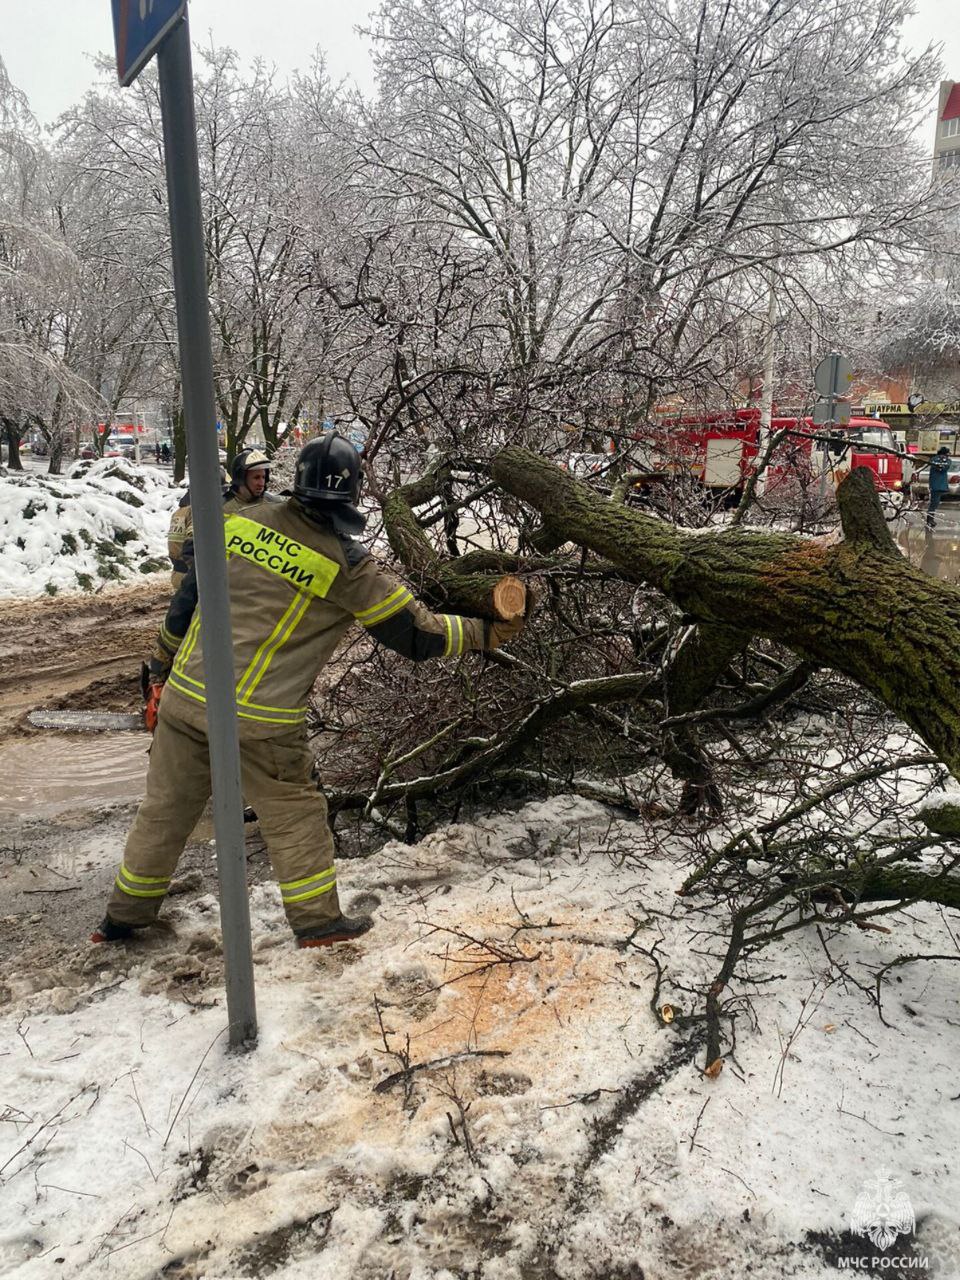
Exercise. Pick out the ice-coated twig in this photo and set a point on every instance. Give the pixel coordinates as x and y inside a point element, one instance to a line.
<point>389,1081</point>
<point>45,1125</point>
<point>176,1114</point>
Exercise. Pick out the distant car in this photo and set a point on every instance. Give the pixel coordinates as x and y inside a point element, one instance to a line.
<point>88,451</point>
<point>920,484</point>
<point>122,446</point>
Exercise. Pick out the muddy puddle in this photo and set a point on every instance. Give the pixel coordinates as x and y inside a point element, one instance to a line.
<point>935,551</point>
<point>47,774</point>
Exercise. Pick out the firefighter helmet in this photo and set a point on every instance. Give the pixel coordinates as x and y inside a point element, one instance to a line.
<point>245,461</point>
<point>328,473</point>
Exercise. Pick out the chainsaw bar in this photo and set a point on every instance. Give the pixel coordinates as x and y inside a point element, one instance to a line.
<point>85,721</point>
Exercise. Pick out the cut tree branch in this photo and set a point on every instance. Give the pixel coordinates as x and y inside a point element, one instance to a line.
<point>857,606</point>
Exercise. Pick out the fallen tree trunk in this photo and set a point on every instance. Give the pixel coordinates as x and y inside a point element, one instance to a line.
<point>465,583</point>
<point>858,606</point>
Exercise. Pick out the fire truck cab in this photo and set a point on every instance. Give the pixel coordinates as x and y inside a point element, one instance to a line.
<point>873,445</point>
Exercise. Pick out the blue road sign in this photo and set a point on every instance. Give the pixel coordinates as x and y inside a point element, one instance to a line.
<point>139,27</point>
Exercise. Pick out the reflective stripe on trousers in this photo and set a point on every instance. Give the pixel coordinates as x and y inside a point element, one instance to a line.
<point>276,778</point>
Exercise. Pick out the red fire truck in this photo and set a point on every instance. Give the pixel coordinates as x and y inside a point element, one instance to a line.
<point>720,450</point>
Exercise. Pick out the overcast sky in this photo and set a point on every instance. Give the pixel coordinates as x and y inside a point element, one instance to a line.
<point>47,44</point>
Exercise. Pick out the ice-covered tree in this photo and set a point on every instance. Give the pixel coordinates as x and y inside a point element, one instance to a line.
<point>39,281</point>
<point>596,195</point>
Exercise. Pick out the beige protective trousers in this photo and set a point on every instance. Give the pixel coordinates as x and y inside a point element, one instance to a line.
<point>275,773</point>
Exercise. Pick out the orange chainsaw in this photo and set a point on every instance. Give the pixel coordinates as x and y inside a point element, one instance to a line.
<point>106,721</point>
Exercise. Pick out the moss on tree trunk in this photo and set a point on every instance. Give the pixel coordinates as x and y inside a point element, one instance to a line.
<point>444,582</point>
<point>857,606</point>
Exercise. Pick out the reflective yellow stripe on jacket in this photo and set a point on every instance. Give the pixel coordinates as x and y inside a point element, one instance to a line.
<point>277,638</point>
<point>385,608</point>
<point>308,572</point>
<point>169,641</point>
<point>453,625</point>
<point>196,690</point>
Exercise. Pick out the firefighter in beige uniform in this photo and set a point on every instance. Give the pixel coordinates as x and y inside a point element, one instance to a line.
<point>297,583</point>
<point>249,477</point>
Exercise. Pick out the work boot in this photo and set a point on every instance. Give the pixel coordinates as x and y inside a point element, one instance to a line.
<point>111,931</point>
<point>343,929</point>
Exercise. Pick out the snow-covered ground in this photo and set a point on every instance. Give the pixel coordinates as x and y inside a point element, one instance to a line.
<point>562,1130</point>
<point>102,522</point>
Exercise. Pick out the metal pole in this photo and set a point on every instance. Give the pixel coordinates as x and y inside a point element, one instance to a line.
<point>831,410</point>
<point>196,368</point>
<point>766,399</point>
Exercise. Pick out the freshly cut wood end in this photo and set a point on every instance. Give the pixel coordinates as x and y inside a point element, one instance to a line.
<point>510,598</point>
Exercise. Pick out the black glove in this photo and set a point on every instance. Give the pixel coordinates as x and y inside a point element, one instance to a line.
<point>158,670</point>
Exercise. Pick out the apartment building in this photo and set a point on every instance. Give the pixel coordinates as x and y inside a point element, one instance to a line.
<point>946,144</point>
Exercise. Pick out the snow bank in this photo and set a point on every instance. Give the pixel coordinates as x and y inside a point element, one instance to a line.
<point>104,521</point>
<point>553,1129</point>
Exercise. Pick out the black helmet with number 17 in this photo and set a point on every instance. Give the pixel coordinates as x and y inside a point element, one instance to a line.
<point>328,480</point>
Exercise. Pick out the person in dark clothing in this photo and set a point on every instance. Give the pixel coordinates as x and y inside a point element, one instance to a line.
<point>939,482</point>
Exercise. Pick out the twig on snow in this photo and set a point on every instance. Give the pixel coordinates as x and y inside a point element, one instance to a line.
<point>583,1098</point>
<point>389,1081</point>
<point>888,1133</point>
<point>23,1036</point>
<point>45,1125</point>
<point>895,964</point>
<point>696,1127</point>
<point>803,1021</point>
<point>176,1114</point>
